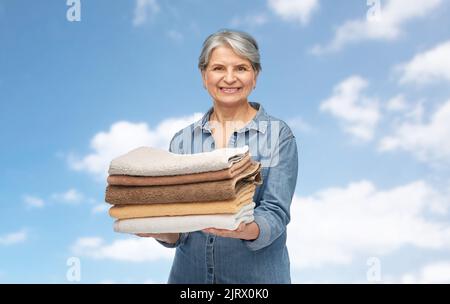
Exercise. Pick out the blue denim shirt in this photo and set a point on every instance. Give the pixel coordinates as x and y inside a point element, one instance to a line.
<point>206,258</point>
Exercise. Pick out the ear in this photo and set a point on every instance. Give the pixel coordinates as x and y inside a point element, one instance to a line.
<point>255,78</point>
<point>203,73</point>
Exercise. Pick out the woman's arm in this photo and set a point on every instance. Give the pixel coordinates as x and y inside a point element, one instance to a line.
<point>273,213</point>
<point>169,238</point>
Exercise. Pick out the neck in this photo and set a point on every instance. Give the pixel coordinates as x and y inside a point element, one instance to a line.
<point>242,112</point>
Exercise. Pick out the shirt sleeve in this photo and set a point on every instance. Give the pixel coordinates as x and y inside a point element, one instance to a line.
<point>174,147</point>
<point>273,213</point>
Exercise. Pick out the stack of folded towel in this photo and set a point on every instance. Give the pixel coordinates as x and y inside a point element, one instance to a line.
<point>155,191</point>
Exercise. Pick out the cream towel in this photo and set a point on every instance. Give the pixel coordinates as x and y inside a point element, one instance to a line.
<point>147,161</point>
<point>185,223</point>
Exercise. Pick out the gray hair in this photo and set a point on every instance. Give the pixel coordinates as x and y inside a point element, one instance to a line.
<point>242,43</point>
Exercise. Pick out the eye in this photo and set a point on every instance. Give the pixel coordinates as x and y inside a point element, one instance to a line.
<point>242,69</point>
<point>217,68</point>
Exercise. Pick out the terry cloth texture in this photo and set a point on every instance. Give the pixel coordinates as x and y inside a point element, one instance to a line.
<point>228,173</point>
<point>245,196</point>
<point>147,161</point>
<point>195,192</point>
<point>185,223</point>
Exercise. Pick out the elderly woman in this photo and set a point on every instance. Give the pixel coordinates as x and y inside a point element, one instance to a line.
<point>255,252</point>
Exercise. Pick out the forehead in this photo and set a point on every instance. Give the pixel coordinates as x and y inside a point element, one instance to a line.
<point>226,55</point>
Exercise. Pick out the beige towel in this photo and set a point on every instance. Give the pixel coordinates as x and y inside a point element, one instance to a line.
<point>235,169</point>
<point>196,192</point>
<point>146,161</point>
<point>245,196</point>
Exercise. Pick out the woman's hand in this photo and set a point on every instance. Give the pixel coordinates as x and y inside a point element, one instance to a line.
<point>247,232</point>
<point>170,238</point>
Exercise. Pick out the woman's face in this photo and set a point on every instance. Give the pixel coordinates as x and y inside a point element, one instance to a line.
<point>229,78</point>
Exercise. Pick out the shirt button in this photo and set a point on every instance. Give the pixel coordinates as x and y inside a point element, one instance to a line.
<point>210,270</point>
<point>211,240</point>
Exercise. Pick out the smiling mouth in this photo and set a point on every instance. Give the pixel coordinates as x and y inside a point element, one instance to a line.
<point>231,90</point>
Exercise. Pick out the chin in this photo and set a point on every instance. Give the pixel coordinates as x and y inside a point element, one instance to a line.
<point>231,101</point>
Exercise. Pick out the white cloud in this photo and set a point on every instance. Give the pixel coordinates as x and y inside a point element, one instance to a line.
<point>430,66</point>
<point>397,104</point>
<point>294,10</point>
<point>143,10</point>
<point>124,136</point>
<point>401,110</point>
<point>100,208</point>
<point>434,273</point>
<point>358,114</point>
<point>398,110</point>
<point>33,201</point>
<point>13,238</point>
<point>336,225</point>
<point>71,196</point>
<point>388,26</point>
<point>429,141</point>
<point>175,36</point>
<point>299,124</point>
<point>250,20</point>
<point>127,250</point>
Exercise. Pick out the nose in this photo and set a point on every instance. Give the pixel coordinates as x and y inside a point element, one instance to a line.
<point>230,77</point>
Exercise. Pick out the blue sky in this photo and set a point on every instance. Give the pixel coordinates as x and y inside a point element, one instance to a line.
<point>368,100</point>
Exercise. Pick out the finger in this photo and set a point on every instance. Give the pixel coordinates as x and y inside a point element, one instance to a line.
<point>215,230</point>
<point>225,232</point>
<point>241,227</point>
<point>220,232</point>
<point>228,233</point>
<point>146,234</point>
<point>212,231</point>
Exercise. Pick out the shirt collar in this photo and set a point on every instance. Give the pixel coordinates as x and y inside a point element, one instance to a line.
<point>258,123</point>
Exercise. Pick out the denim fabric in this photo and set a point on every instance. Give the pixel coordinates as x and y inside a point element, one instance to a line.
<point>205,258</point>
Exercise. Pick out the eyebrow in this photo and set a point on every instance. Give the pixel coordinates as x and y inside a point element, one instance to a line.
<point>239,64</point>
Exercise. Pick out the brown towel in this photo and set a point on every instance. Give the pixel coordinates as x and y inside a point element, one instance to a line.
<point>195,192</point>
<point>127,180</point>
<point>244,197</point>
